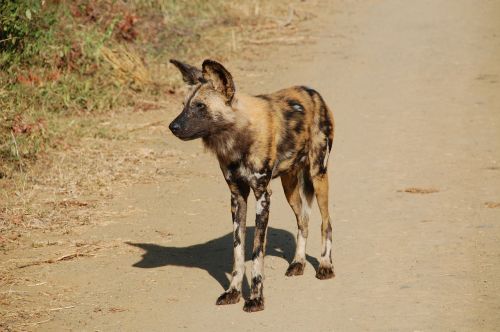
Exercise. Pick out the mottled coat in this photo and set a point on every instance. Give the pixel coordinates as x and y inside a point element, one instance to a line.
<point>286,134</point>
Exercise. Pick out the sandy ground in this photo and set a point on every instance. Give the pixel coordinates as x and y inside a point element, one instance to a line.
<point>415,91</point>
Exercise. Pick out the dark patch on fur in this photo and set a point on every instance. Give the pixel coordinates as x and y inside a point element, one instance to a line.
<point>190,74</point>
<point>308,185</point>
<point>233,167</point>
<point>310,92</point>
<point>266,169</point>
<point>257,280</point>
<point>325,123</point>
<point>255,254</point>
<point>238,185</point>
<point>287,143</point>
<point>191,97</point>
<point>257,284</point>
<point>299,125</point>
<point>237,239</point>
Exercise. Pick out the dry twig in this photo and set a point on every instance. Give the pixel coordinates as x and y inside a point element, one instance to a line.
<point>414,190</point>
<point>59,259</point>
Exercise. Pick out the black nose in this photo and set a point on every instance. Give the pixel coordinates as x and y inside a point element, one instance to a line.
<point>174,127</point>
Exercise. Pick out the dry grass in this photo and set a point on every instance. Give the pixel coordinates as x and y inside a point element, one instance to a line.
<point>128,68</point>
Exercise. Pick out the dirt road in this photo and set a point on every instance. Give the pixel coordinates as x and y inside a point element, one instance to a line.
<point>415,90</point>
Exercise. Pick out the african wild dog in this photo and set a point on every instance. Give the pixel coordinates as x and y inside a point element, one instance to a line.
<point>287,133</point>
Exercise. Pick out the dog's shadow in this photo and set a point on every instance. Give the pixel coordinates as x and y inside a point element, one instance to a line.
<point>216,256</point>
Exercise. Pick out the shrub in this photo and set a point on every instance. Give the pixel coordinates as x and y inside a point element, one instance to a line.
<point>24,27</point>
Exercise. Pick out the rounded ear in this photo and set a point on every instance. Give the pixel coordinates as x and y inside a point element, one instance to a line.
<point>190,74</point>
<point>221,79</point>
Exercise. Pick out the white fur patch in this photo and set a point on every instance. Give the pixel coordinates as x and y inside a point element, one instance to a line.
<point>257,266</point>
<point>245,172</point>
<point>300,253</point>
<point>327,249</point>
<point>238,254</point>
<point>258,206</point>
<point>259,175</point>
<point>239,261</point>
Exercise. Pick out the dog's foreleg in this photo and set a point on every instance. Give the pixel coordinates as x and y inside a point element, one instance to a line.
<point>239,195</point>
<point>256,301</point>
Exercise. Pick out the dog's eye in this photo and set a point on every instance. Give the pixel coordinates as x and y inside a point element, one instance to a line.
<point>200,106</point>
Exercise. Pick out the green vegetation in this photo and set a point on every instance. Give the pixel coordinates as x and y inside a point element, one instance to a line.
<point>64,61</point>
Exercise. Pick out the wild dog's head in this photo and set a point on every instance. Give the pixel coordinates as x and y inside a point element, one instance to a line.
<point>207,107</point>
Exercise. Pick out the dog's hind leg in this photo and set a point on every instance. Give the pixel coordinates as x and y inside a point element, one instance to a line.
<point>325,270</point>
<point>322,139</point>
<point>299,192</point>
